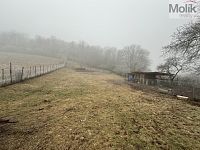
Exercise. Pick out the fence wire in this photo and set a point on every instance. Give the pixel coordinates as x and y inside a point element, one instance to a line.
<point>13,74</point>
<point>184,88</point>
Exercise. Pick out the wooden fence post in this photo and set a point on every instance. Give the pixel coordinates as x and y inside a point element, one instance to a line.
<point>40,70</point>
<point>30,72</point>
<point>35,71</point>
<point>193,92</point>
<point>3,75</point>
<point>22,73</point>
<point>11,79</point>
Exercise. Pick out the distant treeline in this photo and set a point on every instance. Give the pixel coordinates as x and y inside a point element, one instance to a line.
<point>130,58</point>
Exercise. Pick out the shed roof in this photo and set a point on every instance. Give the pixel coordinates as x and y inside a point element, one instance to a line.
<point>152,73</point>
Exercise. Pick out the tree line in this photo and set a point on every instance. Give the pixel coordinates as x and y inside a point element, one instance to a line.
<point>130,58</point>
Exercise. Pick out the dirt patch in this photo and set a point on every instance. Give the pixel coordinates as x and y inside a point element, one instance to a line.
<point>83,70</point>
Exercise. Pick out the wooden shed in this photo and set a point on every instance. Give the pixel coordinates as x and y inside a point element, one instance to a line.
<point>149,78</point>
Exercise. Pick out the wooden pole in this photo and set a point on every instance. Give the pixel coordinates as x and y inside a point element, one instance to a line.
<point>11,80</point>
<point>30,71</point>
<point>35,71</point>
<point>22,73</point>
<point>40,70</point>
<point>3,77</point>
<point>193,92</point>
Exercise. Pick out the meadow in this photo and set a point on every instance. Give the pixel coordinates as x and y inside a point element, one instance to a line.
<point>69,109</point>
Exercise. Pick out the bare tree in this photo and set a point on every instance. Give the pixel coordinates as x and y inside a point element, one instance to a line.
<point>136,58</point>
<point>110,56</point>
<point>173,66</point>
<point>132,57</point>
<point>185,45</point>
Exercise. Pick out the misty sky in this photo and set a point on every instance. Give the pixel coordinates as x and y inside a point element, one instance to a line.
<point>115,23</point>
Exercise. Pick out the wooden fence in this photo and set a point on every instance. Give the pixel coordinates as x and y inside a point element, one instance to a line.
<point>188,89</point>
<point>15,74</point>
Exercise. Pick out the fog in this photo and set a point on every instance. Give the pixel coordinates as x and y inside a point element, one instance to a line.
<point>114,23</point>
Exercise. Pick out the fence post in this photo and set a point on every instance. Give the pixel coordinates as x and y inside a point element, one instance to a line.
<point>11,80</point>
<point>3,75</point>
<point>193,92</point>
<point>40,70</point>
<point>30,72</point>
<point>35,71</point>
<point>22,73</point>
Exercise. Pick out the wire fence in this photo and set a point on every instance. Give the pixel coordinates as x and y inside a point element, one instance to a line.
<point>183,88</point>
<point>14,74</point>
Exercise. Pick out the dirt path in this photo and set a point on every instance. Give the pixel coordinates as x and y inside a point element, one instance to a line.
<point>74,110</point>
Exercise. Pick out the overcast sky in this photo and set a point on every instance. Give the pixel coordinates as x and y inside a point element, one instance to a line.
<point>99,22</point>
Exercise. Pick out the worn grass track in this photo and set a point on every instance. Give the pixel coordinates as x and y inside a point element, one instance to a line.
<point>74,110</point>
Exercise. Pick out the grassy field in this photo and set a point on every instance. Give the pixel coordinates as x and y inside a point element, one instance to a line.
<point>24,60</point>
<point>93,110</point>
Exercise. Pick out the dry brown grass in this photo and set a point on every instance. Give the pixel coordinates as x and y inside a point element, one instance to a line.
<point>24,60</point>
<point>74,110</point>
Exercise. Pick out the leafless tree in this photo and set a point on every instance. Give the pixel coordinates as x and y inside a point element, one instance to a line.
<point>185,45</point>
<point>136,58</point>
<point>173,66</point>
<point>108,58</point>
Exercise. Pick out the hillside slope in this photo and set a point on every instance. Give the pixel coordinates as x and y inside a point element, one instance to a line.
<point>19,59</point>
<point>93,110</point>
